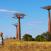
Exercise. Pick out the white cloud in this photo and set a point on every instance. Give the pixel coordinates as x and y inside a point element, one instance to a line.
<point>8,11</point>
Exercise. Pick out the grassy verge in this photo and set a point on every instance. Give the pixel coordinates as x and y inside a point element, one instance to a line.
<point>13,45</point>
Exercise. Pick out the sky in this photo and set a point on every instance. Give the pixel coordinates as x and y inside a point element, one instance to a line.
<point>35,22</point>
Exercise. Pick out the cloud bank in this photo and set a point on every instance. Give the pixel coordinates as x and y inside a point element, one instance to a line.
<point>8,11</point>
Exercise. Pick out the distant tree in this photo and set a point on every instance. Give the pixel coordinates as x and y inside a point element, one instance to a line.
<point>33,39</point>
<point>14,37</point>
<point>27,37</point>
<point>40,38</point>
<point>47,35</point>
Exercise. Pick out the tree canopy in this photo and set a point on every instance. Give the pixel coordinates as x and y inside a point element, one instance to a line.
<point>27,37</point>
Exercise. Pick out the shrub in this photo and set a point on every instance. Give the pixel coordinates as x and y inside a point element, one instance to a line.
<point>27,37</point>
<point>40,38</point>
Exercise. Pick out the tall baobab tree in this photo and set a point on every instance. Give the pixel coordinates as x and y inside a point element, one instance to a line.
<point>49,18</point>
<point>18,16</point>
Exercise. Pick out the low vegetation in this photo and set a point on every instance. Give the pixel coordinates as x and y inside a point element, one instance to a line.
<point>43,37</point>
<point>14,45</point>
<point>28,43</point>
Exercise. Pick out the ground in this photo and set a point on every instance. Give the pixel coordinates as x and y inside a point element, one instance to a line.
<point>14,45</point>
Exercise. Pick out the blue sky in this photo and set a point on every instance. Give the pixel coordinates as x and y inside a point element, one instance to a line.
<point>35,22</point>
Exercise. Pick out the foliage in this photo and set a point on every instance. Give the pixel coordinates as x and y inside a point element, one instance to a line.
<point>40,38</point>
<point>44,37</point>
<point>14,37</point>
<point>33,39</point>
<point>47,35</point>
<point>27,37</point>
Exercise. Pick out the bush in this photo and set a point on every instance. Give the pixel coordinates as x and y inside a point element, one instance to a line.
<point>47,35</point>
<point>27,37</point>
<point>40,38</point>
